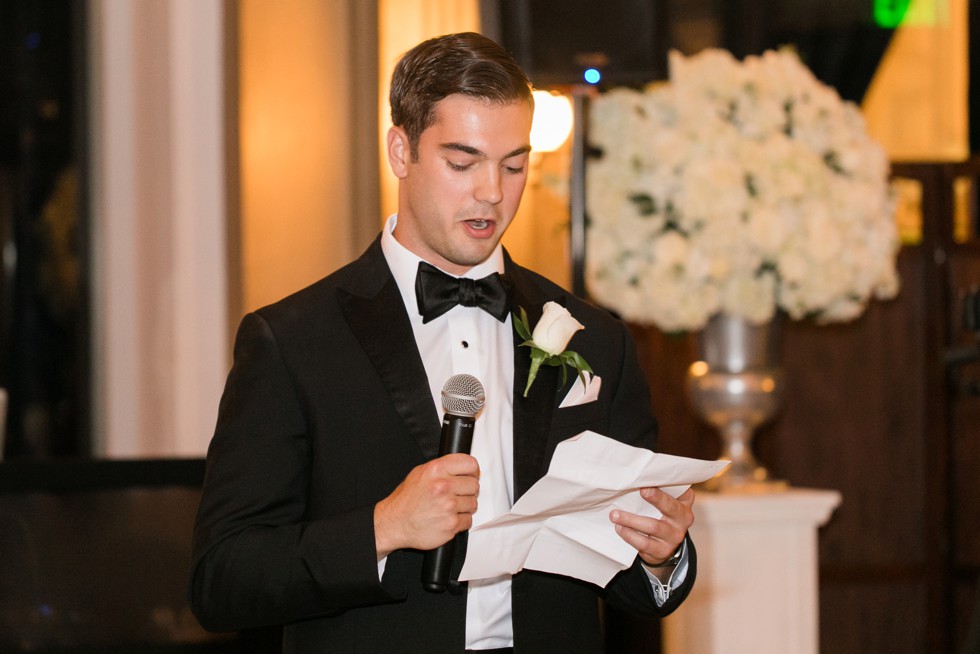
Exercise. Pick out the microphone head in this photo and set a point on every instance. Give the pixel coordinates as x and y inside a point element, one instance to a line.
<point>462,395</point>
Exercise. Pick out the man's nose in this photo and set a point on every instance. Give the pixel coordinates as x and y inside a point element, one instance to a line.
<point>488,187</point>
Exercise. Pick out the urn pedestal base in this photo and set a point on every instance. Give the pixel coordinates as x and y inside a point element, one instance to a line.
<point>737,386</point>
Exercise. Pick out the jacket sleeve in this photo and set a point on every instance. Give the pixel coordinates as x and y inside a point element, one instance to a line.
<point>257,557</point>
<point>632,422</point>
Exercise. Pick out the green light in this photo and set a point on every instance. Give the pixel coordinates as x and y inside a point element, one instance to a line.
<point>889,13</point>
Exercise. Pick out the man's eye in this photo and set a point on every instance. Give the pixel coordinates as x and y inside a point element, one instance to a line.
<point>514,170</point>
<point>458,167</point>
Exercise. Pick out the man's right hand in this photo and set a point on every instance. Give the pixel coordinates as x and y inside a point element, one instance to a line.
<point>435,502</point>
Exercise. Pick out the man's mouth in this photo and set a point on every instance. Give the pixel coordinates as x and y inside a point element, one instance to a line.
<point>479,224</point>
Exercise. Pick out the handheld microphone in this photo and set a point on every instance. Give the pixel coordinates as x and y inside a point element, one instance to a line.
<point>462,399</point>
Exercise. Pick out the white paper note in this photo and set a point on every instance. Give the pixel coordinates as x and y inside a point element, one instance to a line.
<point>562,525</point>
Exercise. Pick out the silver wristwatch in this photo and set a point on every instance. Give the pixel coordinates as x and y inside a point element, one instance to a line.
<point>674,558</point>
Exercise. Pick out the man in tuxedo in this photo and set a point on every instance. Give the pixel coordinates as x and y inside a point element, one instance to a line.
<point>324,482</point>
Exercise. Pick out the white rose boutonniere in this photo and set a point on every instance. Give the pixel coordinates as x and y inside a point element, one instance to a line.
<point>549,340</point>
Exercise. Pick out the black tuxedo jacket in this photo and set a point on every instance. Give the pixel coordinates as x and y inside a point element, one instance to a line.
<point>325,411</point>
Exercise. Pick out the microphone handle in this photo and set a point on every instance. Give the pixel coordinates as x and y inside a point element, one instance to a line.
<point>457,436</point>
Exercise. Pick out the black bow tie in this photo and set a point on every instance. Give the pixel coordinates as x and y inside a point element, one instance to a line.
<point>438,292</point>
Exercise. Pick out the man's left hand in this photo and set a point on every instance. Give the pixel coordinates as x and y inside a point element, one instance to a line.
<point>657,539</point>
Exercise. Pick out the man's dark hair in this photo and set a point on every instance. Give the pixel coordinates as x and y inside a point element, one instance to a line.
<point>467,63</point>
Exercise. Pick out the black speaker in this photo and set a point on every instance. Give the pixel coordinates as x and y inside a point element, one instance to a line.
<point>842,46</point>
<point>556,41</point>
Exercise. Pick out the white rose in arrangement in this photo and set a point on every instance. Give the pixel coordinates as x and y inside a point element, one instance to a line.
<point>739,187</point>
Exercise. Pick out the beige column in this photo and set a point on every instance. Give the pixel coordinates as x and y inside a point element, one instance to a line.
<point>756,589</point>
<point>158,220</point>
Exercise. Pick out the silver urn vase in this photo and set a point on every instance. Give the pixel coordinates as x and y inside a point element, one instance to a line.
<point>736,386</point>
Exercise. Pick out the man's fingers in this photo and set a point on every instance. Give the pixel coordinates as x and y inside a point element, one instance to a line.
<point>687,497</point>
<point>450,486</point>
<point>675,510</point>
<point>456,464</point>
<point>656,539</point>
<point>646,527</point>
<point>651,549</point>
<point>435,501</point>
<point>453,474</point>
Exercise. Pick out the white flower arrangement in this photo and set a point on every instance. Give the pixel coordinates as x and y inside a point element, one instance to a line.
<point>737,187</point>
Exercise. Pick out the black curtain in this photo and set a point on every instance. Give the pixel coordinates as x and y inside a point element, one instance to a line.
<point>43,280</point>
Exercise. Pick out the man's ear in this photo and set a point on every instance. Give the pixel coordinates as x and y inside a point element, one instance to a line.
<point>399,152</point>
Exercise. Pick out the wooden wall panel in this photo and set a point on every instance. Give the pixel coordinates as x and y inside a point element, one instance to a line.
<point>965,414</point>
<point>853,421</point>
<point>872,618</point>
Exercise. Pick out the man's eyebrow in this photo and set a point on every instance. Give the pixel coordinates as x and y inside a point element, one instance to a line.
<point>470,150</point>
<point>466,149</point>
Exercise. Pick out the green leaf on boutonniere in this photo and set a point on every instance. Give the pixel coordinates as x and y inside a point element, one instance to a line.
<point>575,360</point>
<point>520,324</point>
<point>538,357</point>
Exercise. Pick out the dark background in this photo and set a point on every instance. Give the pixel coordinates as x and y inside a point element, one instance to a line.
<point>44,314</point>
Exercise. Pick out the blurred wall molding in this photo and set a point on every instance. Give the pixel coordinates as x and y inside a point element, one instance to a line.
<point>159,277</point>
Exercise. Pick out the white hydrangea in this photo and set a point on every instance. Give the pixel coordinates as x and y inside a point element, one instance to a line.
<point>739,187</point>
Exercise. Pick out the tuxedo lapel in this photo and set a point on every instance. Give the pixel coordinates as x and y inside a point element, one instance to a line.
<point>376,314</point>
<point>532,414</point>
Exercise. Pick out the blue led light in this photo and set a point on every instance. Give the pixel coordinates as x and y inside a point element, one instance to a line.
<point>33,40</point>
<point>592,76</point>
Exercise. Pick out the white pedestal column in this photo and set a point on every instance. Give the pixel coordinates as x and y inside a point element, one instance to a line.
<point>756,589</point>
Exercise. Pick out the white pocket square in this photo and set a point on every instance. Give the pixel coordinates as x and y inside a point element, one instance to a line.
<point>581,393</point>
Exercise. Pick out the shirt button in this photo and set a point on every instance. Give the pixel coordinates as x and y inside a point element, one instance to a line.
<point>465,344</point>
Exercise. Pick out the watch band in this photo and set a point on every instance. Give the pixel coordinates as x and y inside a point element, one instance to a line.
<point>673,559</point>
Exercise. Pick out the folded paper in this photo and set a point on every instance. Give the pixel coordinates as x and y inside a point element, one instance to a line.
<point>562,525</point>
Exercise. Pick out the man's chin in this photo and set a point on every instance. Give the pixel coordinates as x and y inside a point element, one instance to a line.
<point>471,258</point>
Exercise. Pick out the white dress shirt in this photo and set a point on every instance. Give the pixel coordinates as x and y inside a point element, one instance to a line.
<point>482,346</point>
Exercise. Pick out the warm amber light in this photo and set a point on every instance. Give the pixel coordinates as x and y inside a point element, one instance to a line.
<point>552,121</point>
<point>699,368</point>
